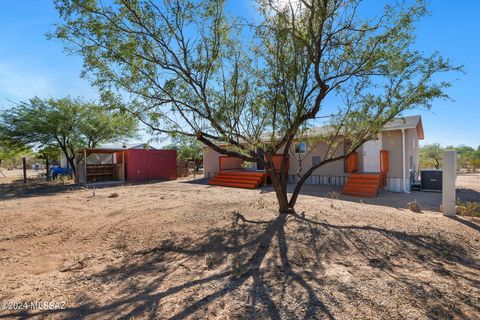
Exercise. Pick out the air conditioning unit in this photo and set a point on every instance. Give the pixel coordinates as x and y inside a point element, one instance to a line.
<point>431,180</point>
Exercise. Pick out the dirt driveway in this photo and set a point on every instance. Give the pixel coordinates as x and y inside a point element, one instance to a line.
<point>182,250</point>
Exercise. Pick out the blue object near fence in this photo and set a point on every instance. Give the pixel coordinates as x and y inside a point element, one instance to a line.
<point>59,171</point>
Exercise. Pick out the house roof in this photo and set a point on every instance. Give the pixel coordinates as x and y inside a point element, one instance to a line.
<point>114,148</point>
<point>126,146</point>
<point>408,122</point>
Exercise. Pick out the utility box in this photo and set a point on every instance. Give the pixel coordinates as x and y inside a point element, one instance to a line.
<point>431,180</point>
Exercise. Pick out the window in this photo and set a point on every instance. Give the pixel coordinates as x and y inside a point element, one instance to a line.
<point>316,160</point>
<point>301,147</point>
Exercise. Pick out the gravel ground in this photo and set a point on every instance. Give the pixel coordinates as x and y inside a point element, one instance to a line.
<point>188,250</point>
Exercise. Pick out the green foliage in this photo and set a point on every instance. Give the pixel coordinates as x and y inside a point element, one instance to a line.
<point>475,160</point>
<point>431,156</point>
<point>188,148</point>
<point>51,152</point>
<point>248,88</point>
<point>9,152</point>
<point>99,124</point>
<point>65,123</point>
<point>469,208</point>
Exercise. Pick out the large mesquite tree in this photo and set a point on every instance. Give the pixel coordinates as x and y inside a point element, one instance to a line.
<point>248,88</point>
<point>66,123</point>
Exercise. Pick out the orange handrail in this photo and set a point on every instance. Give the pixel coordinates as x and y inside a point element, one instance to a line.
<point>277,162</point>
<point>383,166</point>
<point>383,161</point>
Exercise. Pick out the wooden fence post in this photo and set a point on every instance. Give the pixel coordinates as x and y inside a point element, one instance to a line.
<point>24,163</point>
<point>47,164</point>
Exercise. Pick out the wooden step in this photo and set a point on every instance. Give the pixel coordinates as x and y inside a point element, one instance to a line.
<point>364,175</point>
<point>363,179</point>
<point>363,185</point>
<point>238,178</point>
<point>220,182</point>
<point>366,186</point>
<point>241,173</point>
<point>360,185</point>
<point>372,181</point>
<point>234,184</point>
<point>360,194</point>
<point>361,189</point>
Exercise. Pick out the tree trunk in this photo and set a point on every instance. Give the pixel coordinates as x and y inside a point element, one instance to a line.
<point>280,186</point>
<point>71,162</point>
<point>47,166</point>
<point>296,190</point>
<point>24,166</point>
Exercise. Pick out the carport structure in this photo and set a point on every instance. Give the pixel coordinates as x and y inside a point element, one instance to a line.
<point>100,165</point>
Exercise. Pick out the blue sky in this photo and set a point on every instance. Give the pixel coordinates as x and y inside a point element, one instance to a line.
<point>32,65</point>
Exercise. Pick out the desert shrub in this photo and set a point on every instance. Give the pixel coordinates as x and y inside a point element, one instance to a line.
<point>469,208</point>
<point>333,194</point>
<point>236,266</point>
<point>210,260</point>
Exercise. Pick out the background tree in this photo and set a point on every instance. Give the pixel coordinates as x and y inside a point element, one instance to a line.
<point>51,152</point>
<point>66,123</point>
<point>464,155</point>
<point>475,160</point>
<point>247,88</point>
<point>9,151</point>
<point>99,124</point>
<point>188,149</point>
<point>431,155</point>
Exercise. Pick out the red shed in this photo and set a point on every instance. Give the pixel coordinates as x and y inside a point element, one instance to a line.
<point>97,165</point>
<point>144,165</point>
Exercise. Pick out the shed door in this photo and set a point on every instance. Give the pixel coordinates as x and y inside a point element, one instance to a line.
<point>371,155</point>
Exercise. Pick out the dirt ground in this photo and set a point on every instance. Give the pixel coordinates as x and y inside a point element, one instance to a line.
<point>188,250</point>
<point>9,176</point>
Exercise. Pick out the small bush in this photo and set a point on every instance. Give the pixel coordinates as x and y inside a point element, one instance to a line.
<point>236,266</point>
<point>470,208</point>
<point>261,203</point>
<point>333,195</point>
<point>210,260</point>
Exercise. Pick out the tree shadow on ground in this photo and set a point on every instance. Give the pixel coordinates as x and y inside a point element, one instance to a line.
<point>428,200</point>
<point>34,188</point>
<point>190,180</point>
<point>290,267</point>
<point>474,224</point>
